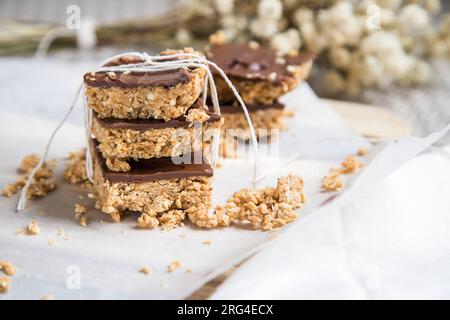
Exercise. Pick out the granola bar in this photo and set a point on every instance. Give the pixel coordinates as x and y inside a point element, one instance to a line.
<point>265,118</point>
<point>163,95</point>
<point>259,74</point>
<point>159,189</point>
<point>122,140</point>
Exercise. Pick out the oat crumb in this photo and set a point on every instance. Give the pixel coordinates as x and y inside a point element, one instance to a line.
<point>80,214</point>
<point>266,208</point>
<point>362,152</point>
<point>7,268</point>
<point>145,270</point>
<point>42,182</point>
<point>33,228</point>
<point>188,270</point>
<point>332,182</point>
<point>173,266</point>
<point>5,284</point>
<point>48,296</point>
<point>51,242</point>
<point>207,242</point>
<point>350,165</point>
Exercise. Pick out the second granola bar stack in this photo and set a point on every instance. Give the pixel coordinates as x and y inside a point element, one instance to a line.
<point>150,131</point>
<point>261,76</point>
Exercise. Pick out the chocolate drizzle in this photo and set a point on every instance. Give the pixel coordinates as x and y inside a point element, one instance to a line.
<point>147,170</point>
<point>242,61</point>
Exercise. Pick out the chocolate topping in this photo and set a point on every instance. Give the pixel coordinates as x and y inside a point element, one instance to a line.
<point>146,124</point>
<point>134,79</point>
<point>236,108</point>
<point>147,170</point>
<point>242,61</point>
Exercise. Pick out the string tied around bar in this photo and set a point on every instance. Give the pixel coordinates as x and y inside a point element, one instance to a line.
<point>158,63</point>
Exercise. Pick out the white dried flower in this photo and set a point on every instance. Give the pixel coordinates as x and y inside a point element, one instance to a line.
<point>334,82</point>
<point>303,15</point>
<point>389,4</point>
<point>287,41</point>
<point>413,18</point>
<point>270,9</point>
<point>183,36</point>
<point>340,25</point>
<point>224,6</point>
<point>263,29</point>
<point>340,57</point>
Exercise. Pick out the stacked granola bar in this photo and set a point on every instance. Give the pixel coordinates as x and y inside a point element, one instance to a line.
<point>150,131</point>
<point>261,76</point>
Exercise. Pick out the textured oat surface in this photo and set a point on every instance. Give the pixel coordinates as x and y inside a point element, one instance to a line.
<point>146,102</point>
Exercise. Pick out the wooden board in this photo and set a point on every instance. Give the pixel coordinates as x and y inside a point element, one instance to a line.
<point>367,120</point>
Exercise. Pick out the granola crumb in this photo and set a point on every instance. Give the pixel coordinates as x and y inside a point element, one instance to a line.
<point>332,182</point>
<point>5,284</point>
<point>42,182</point>
<point>207,242</point>
<point>20,231</point>
<point>362,152</point>
<point>7,268</point>
<point>183,235</point>
<point>147,221</point>
<point>48,296</point>
<point>145,270</point>
<point>173,266</point>
<point>80,214</point>
<point>33,228</point>
<point>188,270</point>
<point>266,208</point>
<point>75,171</point>
<point>350,165</point>
<point>198,115</point>
<point>51,243</point>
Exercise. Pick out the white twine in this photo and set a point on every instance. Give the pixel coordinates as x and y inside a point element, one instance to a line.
<point>151,64</point>
<point>21,203</point>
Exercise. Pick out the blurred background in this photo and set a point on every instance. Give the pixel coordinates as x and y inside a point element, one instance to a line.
<point>391,53</point>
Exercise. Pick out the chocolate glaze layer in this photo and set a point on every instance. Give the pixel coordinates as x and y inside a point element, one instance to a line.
<point>147,170</point>
<point>146,124</point>
<point>241,61</point>
<point>166,79</point>
<point>236,108</point>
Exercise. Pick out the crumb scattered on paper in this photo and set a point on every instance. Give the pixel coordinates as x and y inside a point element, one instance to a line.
<point>33,228</point>
<point>266,208</point>
<point>332,182</point>
<point>80,214</point>
<point>174,266</point>
<point>5,284</point>
<point>51,242</point>
<point>48,296</point>
<point>42,182</point>
<point>75,171</point>
<point>362,152</point>
<point>188,270</point>
<point>207,242</point>
<point>350,165</point>
<point>145,270</point>
<point>7,268</point>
